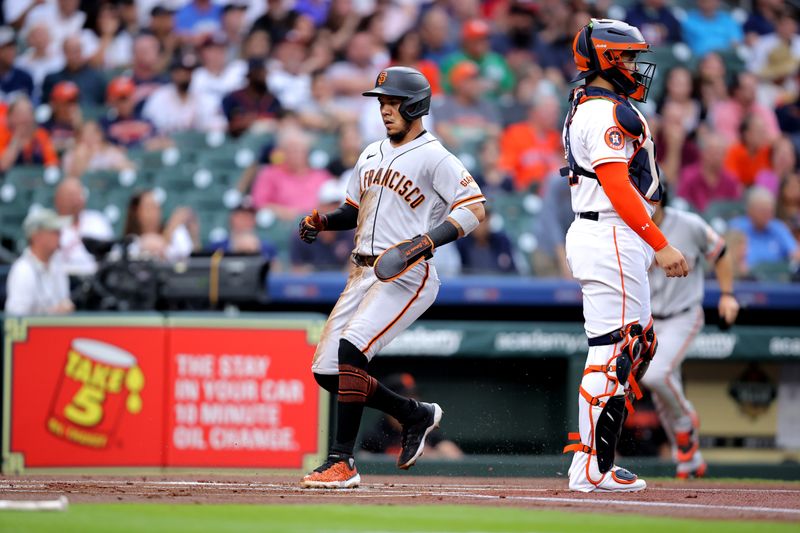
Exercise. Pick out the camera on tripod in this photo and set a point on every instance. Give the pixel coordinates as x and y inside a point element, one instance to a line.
<point>201,282</point>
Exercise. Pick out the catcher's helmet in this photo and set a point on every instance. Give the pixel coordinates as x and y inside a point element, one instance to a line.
<point>597,50</point>
<point>407,83</point>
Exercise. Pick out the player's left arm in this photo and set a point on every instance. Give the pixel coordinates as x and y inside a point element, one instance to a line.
<point>343,218</point>
<point>712,245</point>
<point>727,306</point>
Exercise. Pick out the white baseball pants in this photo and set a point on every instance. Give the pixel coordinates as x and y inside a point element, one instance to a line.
<point>371,313</point>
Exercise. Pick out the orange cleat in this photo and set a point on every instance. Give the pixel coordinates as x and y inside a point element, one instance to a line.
<point>338,472</point>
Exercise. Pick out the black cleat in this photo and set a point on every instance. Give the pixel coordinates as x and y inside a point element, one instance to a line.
<point>415,433</point>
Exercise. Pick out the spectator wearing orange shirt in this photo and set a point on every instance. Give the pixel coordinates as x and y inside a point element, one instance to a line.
<point>751,154</point>
<point>531,150</point>
<point>22,141</point>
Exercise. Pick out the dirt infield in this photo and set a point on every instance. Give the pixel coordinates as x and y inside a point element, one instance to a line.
<point>697,499</point>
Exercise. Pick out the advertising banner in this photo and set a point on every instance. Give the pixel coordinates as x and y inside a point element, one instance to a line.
<point>240,397</point>
<point>85,395</point>
<point>135,392</point>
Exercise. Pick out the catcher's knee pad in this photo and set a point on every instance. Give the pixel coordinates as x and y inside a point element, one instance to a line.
<point>629,353</point>
<point>607,431</point>
<point>355,384</point>
<point>649,347</point>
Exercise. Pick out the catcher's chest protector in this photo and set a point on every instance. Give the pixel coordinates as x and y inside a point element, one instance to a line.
<point>643,170</point>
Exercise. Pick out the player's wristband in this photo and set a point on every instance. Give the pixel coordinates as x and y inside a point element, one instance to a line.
<point>443,233</point>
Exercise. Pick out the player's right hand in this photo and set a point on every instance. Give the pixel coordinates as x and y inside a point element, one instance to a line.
<point>672,261</point>
<point>311,225</point>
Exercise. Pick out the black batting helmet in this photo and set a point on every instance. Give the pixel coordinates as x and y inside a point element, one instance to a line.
<point>406,83</point>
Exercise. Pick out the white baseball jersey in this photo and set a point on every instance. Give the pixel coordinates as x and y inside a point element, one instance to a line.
<point>594,139</point>
<point>400,192</point>
<point>696,240</point>
<point>406,191</point>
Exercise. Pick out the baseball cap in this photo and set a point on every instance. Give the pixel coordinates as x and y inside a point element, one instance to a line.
<point>160,10</point>
<point>120,87</point>
<point>475,29</point>
<point>230,6</point>
<point>43,219</point>
<point>65,91</point>
<point>214,39</point>
<point>463,71</point>
<point>184,61</point>
<point>7,36</point>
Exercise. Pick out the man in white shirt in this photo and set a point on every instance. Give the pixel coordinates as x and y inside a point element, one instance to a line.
<point>187,111</point>
<point>64,18</point>
<point>70,203</point>
<point>40,58</point>
<point>216,78</point>
<point>37,284</point>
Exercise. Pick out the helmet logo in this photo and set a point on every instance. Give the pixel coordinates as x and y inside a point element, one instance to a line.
<point>382,78</point>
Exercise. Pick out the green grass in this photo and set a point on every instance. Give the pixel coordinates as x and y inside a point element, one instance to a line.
<point>159,518</point>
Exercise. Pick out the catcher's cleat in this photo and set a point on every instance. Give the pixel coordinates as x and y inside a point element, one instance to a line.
<point>696,468</point>
<point>338,472</point>
<point>415,433</point>
<point>687,444</point>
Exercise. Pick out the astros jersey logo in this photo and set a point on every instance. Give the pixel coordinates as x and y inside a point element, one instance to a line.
<point>381,78</point>
<point>614,138</point>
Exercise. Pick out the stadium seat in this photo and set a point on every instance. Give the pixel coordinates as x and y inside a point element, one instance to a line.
<point>211,222</point>
<point>725,209</point>
<point>776,272</point>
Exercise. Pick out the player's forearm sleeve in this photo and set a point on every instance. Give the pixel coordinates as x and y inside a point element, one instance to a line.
<point>343,218</point>
<point>628,204</point>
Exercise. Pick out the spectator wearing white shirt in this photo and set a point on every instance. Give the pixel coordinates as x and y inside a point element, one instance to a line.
<point>70,202</point>
<point>288,78</point>
<point>40,58</point>
<point>187,111</point>
<point>64,20</point>
<point>216,77</point>
<point>37,283</point>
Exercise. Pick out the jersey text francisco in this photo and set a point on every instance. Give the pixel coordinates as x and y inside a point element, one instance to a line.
<point>392,179</point>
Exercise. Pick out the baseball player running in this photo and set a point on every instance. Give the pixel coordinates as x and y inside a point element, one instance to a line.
<point>678,317</point>
<point>407,196</point>
<point>612,242</point>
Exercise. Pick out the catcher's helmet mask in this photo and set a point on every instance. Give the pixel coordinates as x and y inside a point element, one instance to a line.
<point>406,83</point>
<point>597,51</point>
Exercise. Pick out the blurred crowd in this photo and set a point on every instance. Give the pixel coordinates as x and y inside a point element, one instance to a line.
<point>90,86</point>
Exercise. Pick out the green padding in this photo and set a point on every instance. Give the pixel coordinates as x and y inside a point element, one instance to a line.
<point>557,466</point>
<point>540,339</point>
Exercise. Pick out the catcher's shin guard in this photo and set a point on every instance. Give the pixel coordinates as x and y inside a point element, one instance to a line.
<point>601,415</point>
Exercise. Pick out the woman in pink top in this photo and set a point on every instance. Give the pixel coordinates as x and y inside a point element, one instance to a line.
<point>707,180</point>
<point>288,186</point>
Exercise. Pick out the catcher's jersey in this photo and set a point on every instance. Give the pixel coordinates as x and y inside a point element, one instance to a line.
<point>696,240</point>
<point>406,191</point>
<point>594,139</point>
